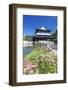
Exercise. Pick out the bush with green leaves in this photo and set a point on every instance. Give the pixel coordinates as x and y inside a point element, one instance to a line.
<point>46,61</point>
<point>43,67</point>
<point>32,57</point>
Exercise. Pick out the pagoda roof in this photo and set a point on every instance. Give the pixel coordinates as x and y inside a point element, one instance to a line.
<point>42,29</point>
<point>48,34</point>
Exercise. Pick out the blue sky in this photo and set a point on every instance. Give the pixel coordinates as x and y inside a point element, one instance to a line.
<point>32,22</point>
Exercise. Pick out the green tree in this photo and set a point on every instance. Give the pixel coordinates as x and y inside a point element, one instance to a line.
<point>54,37</point>
<point>27,38</point>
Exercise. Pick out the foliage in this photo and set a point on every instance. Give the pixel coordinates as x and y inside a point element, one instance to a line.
<point>46,61</point>
<point>54,37</point>
<point>34,54</point>
<point>37,44</point>
<point>27,38</point>
<point>43,67</point>
<point>53,68</point>
<point>30,69</point>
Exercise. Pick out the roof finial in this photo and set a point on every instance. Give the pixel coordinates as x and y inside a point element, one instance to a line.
<point>43,28</point>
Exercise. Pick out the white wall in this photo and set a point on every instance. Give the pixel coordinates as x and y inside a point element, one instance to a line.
<point>4,47</point>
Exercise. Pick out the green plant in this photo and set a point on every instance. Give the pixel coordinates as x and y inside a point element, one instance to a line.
<point>43,67</point>
<point>46,61</point>
<point>53,68</point>
<point>38,44</point>
<point>27,38</point>
<point>34,54</point>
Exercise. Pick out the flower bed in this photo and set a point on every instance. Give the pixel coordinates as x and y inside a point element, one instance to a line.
<point>40,61</point>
